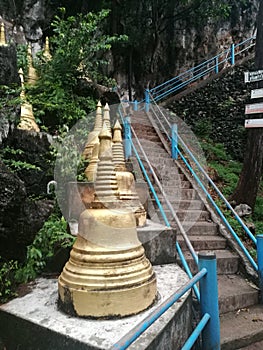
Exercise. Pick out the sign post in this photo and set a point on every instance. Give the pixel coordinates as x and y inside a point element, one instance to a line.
<point>254,123</point>
<point>254,108</point>
<point>250,77</point>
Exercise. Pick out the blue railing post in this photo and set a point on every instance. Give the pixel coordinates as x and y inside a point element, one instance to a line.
<point>147,100</point>
<point>216,65</point>
<point>174,141</point>
<point>135,105</point>
<point>260,264</point>
<point>209,302</point>
<point>127,138</point>
<point>232,51</point>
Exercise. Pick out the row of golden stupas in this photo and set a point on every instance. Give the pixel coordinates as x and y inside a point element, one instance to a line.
<point>27,119</point>
<point>108,274</point>
<point>125,179</point>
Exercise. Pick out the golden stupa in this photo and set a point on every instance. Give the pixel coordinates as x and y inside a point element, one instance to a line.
<point>125,179</point>
<point>2,35</point>
<point>32,73</point>
<point>93,135</point>
<point>27,119</point>
<point>46,52</point>
<point>107,274</point>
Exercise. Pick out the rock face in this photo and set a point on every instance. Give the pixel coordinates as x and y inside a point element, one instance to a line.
<point>8,65</point>
<point>31,148</point>
<point>20,217</point>
<point>216,110</point>
<point>182,44</point>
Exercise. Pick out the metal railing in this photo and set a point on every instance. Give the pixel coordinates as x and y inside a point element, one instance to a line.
<point>208,326</point>
<point>182,149</point>
<point>202,70</point>
<point>211,337</point>
<point>129,146</point>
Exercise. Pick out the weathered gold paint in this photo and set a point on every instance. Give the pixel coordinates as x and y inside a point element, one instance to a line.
<point>91,170</point>
<point>93,135</point>
<point>27,119</point>
<point>106,116</point>
<point>32,73</point>
<point>107,274</point>
<point>46,53</point>
<point>2,35</point>
<point>125,179</point>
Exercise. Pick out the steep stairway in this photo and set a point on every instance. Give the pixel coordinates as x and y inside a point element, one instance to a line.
<point>238,298</point>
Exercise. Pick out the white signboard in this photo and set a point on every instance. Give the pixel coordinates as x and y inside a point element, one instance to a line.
<point>254,123</point>
<point>257,93</point>
<point>254,108</point>
<point>253,76</point>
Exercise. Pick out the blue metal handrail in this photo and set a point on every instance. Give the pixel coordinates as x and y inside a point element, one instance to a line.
<point>210,66</point>
<point>188,243</point>
<point>134,333</point>
<point>197,178</point>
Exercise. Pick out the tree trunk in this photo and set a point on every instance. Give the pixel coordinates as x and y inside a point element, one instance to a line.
<point>249,180</point>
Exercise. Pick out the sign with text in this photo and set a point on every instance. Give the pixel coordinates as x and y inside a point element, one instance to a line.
<point>253,76</point>
<point>257,93</point>
<point>254,108</point>
<point>254,123</point>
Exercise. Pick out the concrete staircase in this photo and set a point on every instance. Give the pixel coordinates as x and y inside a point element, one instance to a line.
<point>241,324</point>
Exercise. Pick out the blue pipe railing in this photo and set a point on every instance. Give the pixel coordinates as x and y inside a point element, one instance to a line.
<point>129,145</point>
<point>202,70</point>
<point>209,319</point>
<point>197,178</point>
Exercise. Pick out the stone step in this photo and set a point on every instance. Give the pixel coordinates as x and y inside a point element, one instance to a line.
<point>180,194</point>
<point>184,203</point>
<point>236,293</point>
<point>203,243</point>
<point>199,228</point>
<point>177,184</point>
<point>242,328</point>
<point>188,215</point>
<point>227,262</point>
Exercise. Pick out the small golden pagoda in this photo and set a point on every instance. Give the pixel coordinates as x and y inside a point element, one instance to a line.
<point>46,53</point>
<point>91,170</point>
<point>125,179</point>
<point>106,116</point>
<point>2,35</point>
<point>27,119</point>
<point>93,135</point>
<point>32,73</point>
<point>107,274</point>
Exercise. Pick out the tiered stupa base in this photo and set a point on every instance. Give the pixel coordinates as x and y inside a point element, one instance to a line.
<point>107,274</point>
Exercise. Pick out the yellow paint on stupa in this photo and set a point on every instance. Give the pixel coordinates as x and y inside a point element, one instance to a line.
<point>2,35</point>
<point>93,135</point>
<point>32,73</point>
<point>107,274</point>
<point>27,119</point>
<point>125,179</point>
<point>106,116</point>
<point>46,53</point>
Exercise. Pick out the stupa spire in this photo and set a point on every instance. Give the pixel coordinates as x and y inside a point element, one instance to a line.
<point>32,74</point>
<point>46,53</point>
<point>27,119</point>
<point>93,135</point>
<point>2,35</point>
<point>106,116</point>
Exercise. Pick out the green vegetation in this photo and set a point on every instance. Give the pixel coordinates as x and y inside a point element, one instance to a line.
<point>7,155</point>
<point>8,281</point>
<point>225,173</point>
<point>52,237</point>
<point>65,91</point>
